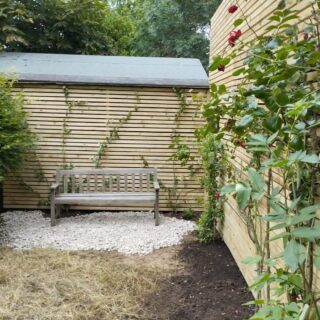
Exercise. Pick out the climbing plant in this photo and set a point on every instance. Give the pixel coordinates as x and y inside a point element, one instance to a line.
<point>66,131</point>
<point>113,134</point>
<point>181,155</point>
<point>273,116</point>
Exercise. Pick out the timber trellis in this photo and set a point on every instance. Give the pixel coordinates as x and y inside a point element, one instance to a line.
<point>72,121</point>
<point>257,12</point>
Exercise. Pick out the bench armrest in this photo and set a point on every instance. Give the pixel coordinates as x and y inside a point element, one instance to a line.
<point>156,185</point>
<point>54,186</point>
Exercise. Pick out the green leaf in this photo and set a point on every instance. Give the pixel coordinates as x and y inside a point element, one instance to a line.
<point>256,180</point>
<point>251,260</point>
<point>243,195</point>
<point>244,122</point>
<point>238,71</point>
<point>294,254</point>
<point>273,44</point>
<point>280,236</point>
<point>257,140</point>
<point>227,189</point>
<point>293,220</point>
<point>216,62</point>
<point>238,22</point>
<point>252,102</point>
<point>311,209</point>
<point>254,302</point>
<point>311,158</point>
<point>222,89</point>
<point>274,18</point>
<point>272,138</point>
<point>306,233</point>
<point>272,217</point>
<point>302,156</point>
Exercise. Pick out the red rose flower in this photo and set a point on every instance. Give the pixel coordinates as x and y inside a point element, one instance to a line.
<point>238,33</point>
<point>232,42</point>
<point>233,37</point>
<point>221,67</point>
<point>232,9</point>
<point>217,195</point>
<point>242,144</point>
<point>233,34</point>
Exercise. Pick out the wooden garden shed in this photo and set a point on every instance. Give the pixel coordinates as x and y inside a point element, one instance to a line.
<point>101,111</point>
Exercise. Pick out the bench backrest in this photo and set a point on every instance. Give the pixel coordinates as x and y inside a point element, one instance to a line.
<point>106,180</point>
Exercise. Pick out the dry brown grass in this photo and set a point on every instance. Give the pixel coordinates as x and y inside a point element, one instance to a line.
<point>48,284</point>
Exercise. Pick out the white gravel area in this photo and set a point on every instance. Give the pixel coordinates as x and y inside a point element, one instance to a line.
<point>126,232</point>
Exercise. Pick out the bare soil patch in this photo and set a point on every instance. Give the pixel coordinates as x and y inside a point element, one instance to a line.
<point>209,286</point>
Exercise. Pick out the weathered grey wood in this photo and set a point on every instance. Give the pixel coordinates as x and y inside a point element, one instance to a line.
<point>73,189</point>
<point>156,185</point>
<point>65,183</point>
<point>110,182</point>
<point>88,183</point>
<point>148,182</point>
<point>106,202</point>
<point>55,185</point>
<point>118,182</point>
<point>95,183</point>
<point>105,194</point>
<point>125,182</point>
<point>52,207</point>
<point>110,198</point>
<point>133,187</point>
<point>80,184</point>
<point>156,208</point>
<point>103,183</point>
<point>113,171</point>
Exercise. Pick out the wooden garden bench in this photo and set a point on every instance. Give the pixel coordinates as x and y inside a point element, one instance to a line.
<point>105,187</point>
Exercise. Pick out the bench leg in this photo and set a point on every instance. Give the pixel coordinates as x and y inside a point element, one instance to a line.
<point>53,213</point>
<point>58,211</point>
<point>156,210</point>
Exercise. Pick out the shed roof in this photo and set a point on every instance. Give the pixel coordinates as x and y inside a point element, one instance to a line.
<point>89,69</point>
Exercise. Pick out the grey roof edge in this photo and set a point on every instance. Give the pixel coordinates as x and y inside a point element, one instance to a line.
<point>104,70</point>
<point>121,81</point>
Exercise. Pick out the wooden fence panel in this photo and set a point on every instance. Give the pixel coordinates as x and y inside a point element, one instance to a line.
<point>72,122</point>
<point>257,12</point>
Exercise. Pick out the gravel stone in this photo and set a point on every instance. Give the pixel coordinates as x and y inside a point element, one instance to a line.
<point>126,232</point>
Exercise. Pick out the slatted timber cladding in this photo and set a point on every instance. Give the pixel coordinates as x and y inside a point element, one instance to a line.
<point>94,112</point>
<point>234,229</point>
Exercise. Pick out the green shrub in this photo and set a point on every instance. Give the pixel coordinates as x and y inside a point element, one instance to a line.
<point>16,139</point>
<point>188,214</point>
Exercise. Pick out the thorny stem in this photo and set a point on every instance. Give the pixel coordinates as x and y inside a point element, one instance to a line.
<point>246,20</point>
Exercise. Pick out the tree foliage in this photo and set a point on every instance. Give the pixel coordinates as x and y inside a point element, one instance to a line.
<point>173,28</point>
<point>15,137</point>
<point>12,14</point>
<point>73,26</point>
<point>164,28</point>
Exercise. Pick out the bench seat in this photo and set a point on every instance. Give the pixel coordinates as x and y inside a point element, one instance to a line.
<point>112,198</point>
